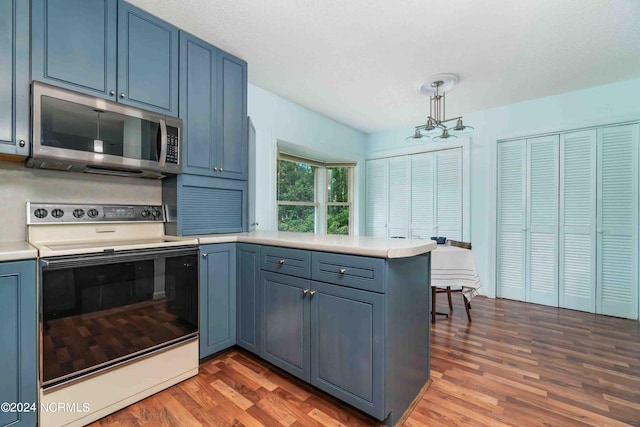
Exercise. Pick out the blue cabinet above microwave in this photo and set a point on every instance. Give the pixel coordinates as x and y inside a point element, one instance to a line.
<point>106,48</point>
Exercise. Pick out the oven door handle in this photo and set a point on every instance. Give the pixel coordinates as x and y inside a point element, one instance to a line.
<point>103,258</point>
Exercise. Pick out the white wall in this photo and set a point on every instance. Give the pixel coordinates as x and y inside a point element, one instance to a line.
<point>275,119</point>
<point>609,103</point>
<point>19,185</point>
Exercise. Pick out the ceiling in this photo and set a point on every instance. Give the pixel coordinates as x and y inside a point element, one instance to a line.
<point>360,62</point>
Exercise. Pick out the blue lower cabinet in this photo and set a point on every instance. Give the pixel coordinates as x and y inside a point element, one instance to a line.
<point>18,336</point>
<point>285,307</point>
<point>217,298</point>
<point>248,318</point>
<point>347,345</point>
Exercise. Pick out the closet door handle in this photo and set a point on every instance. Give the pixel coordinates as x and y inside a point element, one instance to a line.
<point>600,231</point>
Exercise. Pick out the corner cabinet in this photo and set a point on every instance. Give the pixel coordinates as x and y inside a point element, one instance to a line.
<point>213,106</point>
<point>14,73</point>
<point>217,298</point>
<point>349,325</point>
<point>18,335</point>
<point>106,48</point>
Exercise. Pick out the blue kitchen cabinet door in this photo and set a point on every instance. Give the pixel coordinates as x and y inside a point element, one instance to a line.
<point>147,61</point>
<point>286,323</point>
<point>74,45</point>
<point>232,125</point>
<point>18,362</point>
<point>14,73</point>
<point>248,297</point>
<point>199,106</point>
<point>347,345</point>
<point>217,298</point>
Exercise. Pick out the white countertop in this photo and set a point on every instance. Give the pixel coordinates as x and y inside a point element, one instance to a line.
<point>13,251</point>
<point>355,245</point>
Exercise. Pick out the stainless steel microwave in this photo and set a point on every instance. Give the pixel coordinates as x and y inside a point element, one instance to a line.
<point>81,133</point>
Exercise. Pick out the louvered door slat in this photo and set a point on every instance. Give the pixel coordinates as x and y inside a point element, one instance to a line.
<point>542,220</point>
<point>617,215</point>
<point>511,219</point>
<point>398,197</point>
<point>422,197</point>
<point>577,262</point>
<point>376,204</point>
<point>448,179</point>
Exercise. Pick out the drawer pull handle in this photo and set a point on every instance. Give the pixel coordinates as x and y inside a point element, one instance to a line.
<point>342,270</point>
<point>281,262</point>
<point>312,293</point>
<point>305,292</point>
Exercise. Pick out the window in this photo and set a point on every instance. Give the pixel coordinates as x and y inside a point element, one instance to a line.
<point>314,197</point>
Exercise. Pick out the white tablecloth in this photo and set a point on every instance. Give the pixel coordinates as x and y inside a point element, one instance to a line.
<point>454,266</point>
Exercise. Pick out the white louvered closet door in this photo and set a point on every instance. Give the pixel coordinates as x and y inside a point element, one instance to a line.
<point>577,257</point>
<point>376,211</point>
<point>542,220</point>
<point>617,221</point>
<point>448,192</point>
<point>511,209</point>
<point>422,197</point>
<point>398,224</point>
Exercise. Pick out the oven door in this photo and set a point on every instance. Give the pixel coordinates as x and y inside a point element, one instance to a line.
<point>100,310</point>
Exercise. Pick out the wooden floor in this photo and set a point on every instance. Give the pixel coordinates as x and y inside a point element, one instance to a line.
<point>517,364</point>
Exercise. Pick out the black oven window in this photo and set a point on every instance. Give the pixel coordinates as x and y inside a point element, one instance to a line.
<point>99,314</point>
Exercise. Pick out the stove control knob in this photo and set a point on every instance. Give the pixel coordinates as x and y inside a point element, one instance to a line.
<point>156,213</point>
<point>57,213</point>
<point>145,213</point>
<point>41,213</point>
<point>93,213</point>
<point>78,213</point>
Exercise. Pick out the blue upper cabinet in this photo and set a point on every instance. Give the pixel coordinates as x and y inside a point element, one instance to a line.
<point>199,105</point>
<point>232,127</point>
<point>106,48</point>
<point>74,45</point>
<point>14,74</point>
<point>147,61</point>
<point>213,105</point>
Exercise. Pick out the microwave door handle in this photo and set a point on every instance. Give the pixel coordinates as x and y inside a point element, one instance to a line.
<point>162,158</point>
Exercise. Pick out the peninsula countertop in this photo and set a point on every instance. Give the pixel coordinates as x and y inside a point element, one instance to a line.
<point>354,245</point>
<point>19,250</point>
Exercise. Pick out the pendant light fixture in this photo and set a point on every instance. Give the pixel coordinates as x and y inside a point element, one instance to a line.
<point>435,127</point>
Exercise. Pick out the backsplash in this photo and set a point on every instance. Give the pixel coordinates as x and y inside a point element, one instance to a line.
<point>19,185</point>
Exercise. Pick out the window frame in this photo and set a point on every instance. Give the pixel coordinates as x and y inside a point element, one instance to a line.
<point>321,194</point>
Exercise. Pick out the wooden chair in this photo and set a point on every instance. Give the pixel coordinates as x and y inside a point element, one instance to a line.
<point>447,290</point>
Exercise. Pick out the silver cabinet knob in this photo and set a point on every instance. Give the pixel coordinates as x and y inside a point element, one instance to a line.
<point>204,255</point>
<point>22,143</point>
<point>342,270</point>
<point>221,170</point>
<point>122,95</point>
<point>215,169</point>
<point>281,262</point>
<point>112,92</point>
<point>312,293</point>
<point>305,292</point>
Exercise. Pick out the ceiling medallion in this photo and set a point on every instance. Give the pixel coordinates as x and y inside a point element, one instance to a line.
<point>435,126</point>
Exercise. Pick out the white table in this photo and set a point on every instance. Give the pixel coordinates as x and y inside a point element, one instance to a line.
<point>454,266</point>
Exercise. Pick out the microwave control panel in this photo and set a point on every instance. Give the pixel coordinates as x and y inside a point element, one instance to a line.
<point>173,145</point>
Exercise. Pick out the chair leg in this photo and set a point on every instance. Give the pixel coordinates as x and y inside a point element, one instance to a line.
<point>433,305</point>
<point>449,298</point>
<point>467,306</point>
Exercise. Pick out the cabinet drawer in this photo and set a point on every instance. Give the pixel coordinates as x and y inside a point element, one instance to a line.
<point>294,262</point>
<point>348,270</point>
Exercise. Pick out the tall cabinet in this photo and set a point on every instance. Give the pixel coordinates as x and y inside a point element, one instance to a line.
<point>567,220</point>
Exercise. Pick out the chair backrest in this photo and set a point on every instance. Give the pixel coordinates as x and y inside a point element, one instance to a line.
<point>465,245</point>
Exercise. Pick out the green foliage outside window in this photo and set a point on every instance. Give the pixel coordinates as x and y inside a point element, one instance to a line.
<point>338,192</point>
<point>296,183</point>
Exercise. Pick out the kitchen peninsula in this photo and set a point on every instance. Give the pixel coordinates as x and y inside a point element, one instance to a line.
<point>347,314</point>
